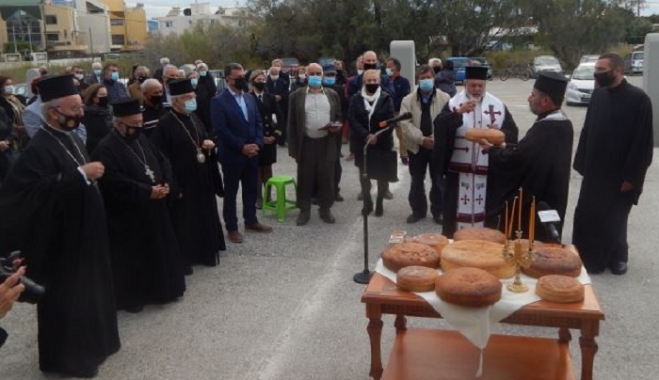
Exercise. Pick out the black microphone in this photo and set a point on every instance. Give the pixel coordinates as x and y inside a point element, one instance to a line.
<point>549,222</point>
<point>395,120</point>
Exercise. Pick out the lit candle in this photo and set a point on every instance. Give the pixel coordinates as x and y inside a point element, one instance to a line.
<point>519,212</point>
<point>512,217</point>
<point>532,220</point>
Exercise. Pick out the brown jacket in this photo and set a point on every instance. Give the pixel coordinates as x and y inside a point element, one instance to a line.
<point>296,122</point>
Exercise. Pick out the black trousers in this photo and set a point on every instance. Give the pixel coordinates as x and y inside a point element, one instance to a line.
<point>313,167</point>
<point>419,163</point>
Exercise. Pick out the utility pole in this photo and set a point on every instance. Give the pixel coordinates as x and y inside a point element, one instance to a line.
<point>13,32</point>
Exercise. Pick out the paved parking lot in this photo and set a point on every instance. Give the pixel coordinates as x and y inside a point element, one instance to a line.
<point>284,306</point>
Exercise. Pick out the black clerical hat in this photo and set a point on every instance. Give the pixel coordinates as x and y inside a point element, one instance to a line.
<point>476,72</point>
<point>57,86</point>
<point>126,107</point>
<point>551,83</point>
<point>180,87</point>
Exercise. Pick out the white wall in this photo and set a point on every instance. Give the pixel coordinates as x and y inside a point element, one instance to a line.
<point>180,24</point>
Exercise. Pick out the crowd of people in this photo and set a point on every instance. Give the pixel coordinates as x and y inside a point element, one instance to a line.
<point>111,190</point>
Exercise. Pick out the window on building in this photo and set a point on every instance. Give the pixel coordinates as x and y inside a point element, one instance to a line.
<point>52,37</point>
<point>118,39</point>
<point>169,24</point>
<point>51,20</point>
<point>117,22</point>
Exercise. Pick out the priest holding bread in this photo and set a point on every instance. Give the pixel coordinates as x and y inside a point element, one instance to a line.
<point>470,116</point>
<point>540,163</point>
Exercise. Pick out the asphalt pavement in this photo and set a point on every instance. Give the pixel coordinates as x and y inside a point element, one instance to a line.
<point>283,306</point>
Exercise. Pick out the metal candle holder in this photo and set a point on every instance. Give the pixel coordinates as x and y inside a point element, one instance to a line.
<point>519,258</point>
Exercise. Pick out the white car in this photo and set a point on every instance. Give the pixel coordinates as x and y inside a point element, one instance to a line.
<point>582,84</point>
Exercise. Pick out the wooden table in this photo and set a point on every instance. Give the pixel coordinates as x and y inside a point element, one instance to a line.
<point>383,297</point>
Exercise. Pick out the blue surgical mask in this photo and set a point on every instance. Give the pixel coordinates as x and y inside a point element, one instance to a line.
<point>315,81</point>
<point>426,85</point>
<point>203,73</point>
<point>194,82</point>
<point>329,81</point>
<point>389,73</point>
<point>97,72</point>
<point>191,105</point>
<point>114,76</point>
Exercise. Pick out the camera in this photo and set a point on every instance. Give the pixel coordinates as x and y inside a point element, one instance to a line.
<point>33,291</point>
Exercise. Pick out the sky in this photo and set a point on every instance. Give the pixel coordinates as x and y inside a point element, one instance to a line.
<point>160,8</point>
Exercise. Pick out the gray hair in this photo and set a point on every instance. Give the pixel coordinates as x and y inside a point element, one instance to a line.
<point>143,68</point>
<point>48,105</point>
<point>148,84</point>
<point>201,67</point>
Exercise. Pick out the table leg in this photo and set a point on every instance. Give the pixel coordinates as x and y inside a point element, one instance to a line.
<point>589,330</point>
<point>374,314</point>
<point>564,335</point>
<point>400,324</point>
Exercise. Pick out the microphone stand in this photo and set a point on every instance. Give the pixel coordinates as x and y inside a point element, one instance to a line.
<point>364,277</point>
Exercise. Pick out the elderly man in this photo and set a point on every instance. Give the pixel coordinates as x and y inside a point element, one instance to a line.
<point>613,156</point>
<point>97,74</point>
<point>116,89</point>
<point>469,180</point>
<point>206,89</point>
<point>170,73</point>
<point>315,119</point>
<point>146,260</point>
<point>54,181</point>
<point>239,128</point>
<point>279,83</point>
<point>425,104</point>
<point>153,108</point>
<point>370,63</point>
<point>184,141</point>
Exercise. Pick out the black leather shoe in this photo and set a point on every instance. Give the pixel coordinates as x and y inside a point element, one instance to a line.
<point>326,216</point>
<point>134,309</point>
<point>414,218</point>
<point>388,195</point>
<point>379,209</point>
<point>303,218</point>
<point>619,268</point>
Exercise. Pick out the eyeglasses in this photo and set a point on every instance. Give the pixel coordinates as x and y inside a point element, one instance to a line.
<point>315,73</point>
<point>75,109</point>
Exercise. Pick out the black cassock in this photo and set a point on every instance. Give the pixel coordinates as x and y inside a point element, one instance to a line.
<point>445,126</point>
<point>146,260</point>
<point>58,220</point>
<point>615,146</point>
<point>540,164</point>
<point>194,209</point>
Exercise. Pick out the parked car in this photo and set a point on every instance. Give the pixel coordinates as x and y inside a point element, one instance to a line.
<point>219,79</point>
<point>588,58</point>
<point>23,90</point>
<point>582,84</point>
<point>459,64</point>
<point>326,61</point>
<point>634,62</point>
<point>483,62</point>
<point>545,63</point>
<point>288,64</point>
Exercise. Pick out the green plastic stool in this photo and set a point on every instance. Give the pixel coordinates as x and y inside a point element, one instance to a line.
<point>281,205</point>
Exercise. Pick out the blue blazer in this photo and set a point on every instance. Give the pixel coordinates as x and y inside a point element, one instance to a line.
<point>233,131</point>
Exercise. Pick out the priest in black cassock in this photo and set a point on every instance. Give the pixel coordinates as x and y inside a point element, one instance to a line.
<point>540,163</point>
<point>470,184</point>
<point>182,138</point>
<point>146,260</point>
<point>613,155</point>
<point>52,210</point>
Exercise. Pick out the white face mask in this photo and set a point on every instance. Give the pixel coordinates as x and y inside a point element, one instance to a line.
<point>302,76</point>
<point>274,77</point>
<point>80,76</point>
<point>9,89</point>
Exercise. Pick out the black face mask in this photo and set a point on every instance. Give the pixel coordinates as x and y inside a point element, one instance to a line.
<point>372,87</point>
<point>259,85</point>
<point>604,79</point>
<point>370,66</point>
<point>132,133</point>
<point>103,101</point>
<point>141,79</point>
<point>240,83</point>
<point>436,69</point>
<point>156,99</point>
<point>68,122</point>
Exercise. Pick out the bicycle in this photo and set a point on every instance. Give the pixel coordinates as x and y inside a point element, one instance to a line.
<point>517,71</point>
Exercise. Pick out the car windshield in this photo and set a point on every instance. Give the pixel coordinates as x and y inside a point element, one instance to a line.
<point>546,61</point>
<point>639,56</point>
<point>459,63</point>
<point>589,58</point>
<point>584,73</point>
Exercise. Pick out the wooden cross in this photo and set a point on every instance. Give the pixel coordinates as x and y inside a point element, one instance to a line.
<point>491,112</point>
<point>464,199</point>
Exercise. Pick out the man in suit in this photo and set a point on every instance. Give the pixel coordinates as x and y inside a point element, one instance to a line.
<point>239,128</point>
<point>97,74</point>
<point>279,83</point>
<point>314,113</point>
<point>164,62</point>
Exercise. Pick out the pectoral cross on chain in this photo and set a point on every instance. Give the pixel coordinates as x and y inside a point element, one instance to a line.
<point>150,174</point>
<point>491,112</point>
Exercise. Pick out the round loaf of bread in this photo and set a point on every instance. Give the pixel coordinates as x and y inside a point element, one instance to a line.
<point>407,254</point>
<point>553,260</point>
<point>416,279</point>
<point>479,254</point>
<point>559,289</point>
<point>487,234</point>
<point>471,287</point>
<point>436,241</point>
<point>492,135</point>
<point>536,244</point>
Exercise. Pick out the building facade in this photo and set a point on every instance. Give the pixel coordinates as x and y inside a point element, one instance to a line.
<point>178,21</point>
